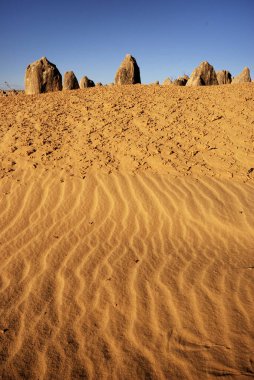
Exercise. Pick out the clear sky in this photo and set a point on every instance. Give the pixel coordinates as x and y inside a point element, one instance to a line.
<point>167,38</point>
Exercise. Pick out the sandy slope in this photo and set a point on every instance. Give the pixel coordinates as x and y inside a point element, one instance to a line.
<point>177,130</point>
<point>126,234</point>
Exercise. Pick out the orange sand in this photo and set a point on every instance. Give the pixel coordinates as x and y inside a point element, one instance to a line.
<point>127,233</point>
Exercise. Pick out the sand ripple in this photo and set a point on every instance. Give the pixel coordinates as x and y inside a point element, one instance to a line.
<point>126,277</point>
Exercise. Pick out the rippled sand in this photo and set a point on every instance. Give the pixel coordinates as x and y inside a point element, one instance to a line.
<point>127,234</point>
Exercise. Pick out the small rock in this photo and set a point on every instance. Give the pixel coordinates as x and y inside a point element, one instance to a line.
<point>85,82</point>
<point>243,77</point>
<point>167,82</point>
<point>181,81</point>
<point>70,81</point>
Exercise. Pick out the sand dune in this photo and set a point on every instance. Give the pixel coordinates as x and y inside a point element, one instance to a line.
<point>117,261</point>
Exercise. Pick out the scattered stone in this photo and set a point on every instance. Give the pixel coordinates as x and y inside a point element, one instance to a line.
<point>31,151</point>
<point>86,82</point>
<point>70,81</point>
<point>224,77</point>
<point>4,331</point>
<point>99,84</point>
<point>128,72</point>
<point>10,92</point>
<point>203,75</point>
<point>42,76</point>
<point>217,118</point>
<point>243,77</point>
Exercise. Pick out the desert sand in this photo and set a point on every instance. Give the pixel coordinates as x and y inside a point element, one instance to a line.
<point>127,233</point>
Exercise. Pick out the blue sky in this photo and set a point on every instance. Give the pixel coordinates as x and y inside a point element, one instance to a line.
<point>167,38</point>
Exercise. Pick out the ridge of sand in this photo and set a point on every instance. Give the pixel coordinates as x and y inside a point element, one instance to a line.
<point>137,274</point>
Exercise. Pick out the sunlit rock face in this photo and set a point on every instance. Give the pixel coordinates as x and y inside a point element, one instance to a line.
<point>128,72</point>
<point>42,76</point>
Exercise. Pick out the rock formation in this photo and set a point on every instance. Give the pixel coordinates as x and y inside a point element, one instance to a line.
<point>128,72</point>
<point>181,81</point>
<point>86,82</point>
<point>167,82</point>
<point>42,76</point>
<point>243,77</point>
<point>223,77</point>
<point>70,81</point>
<point>203,75</point>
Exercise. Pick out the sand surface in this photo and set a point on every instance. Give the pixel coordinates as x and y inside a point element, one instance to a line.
<point>127,233</point>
